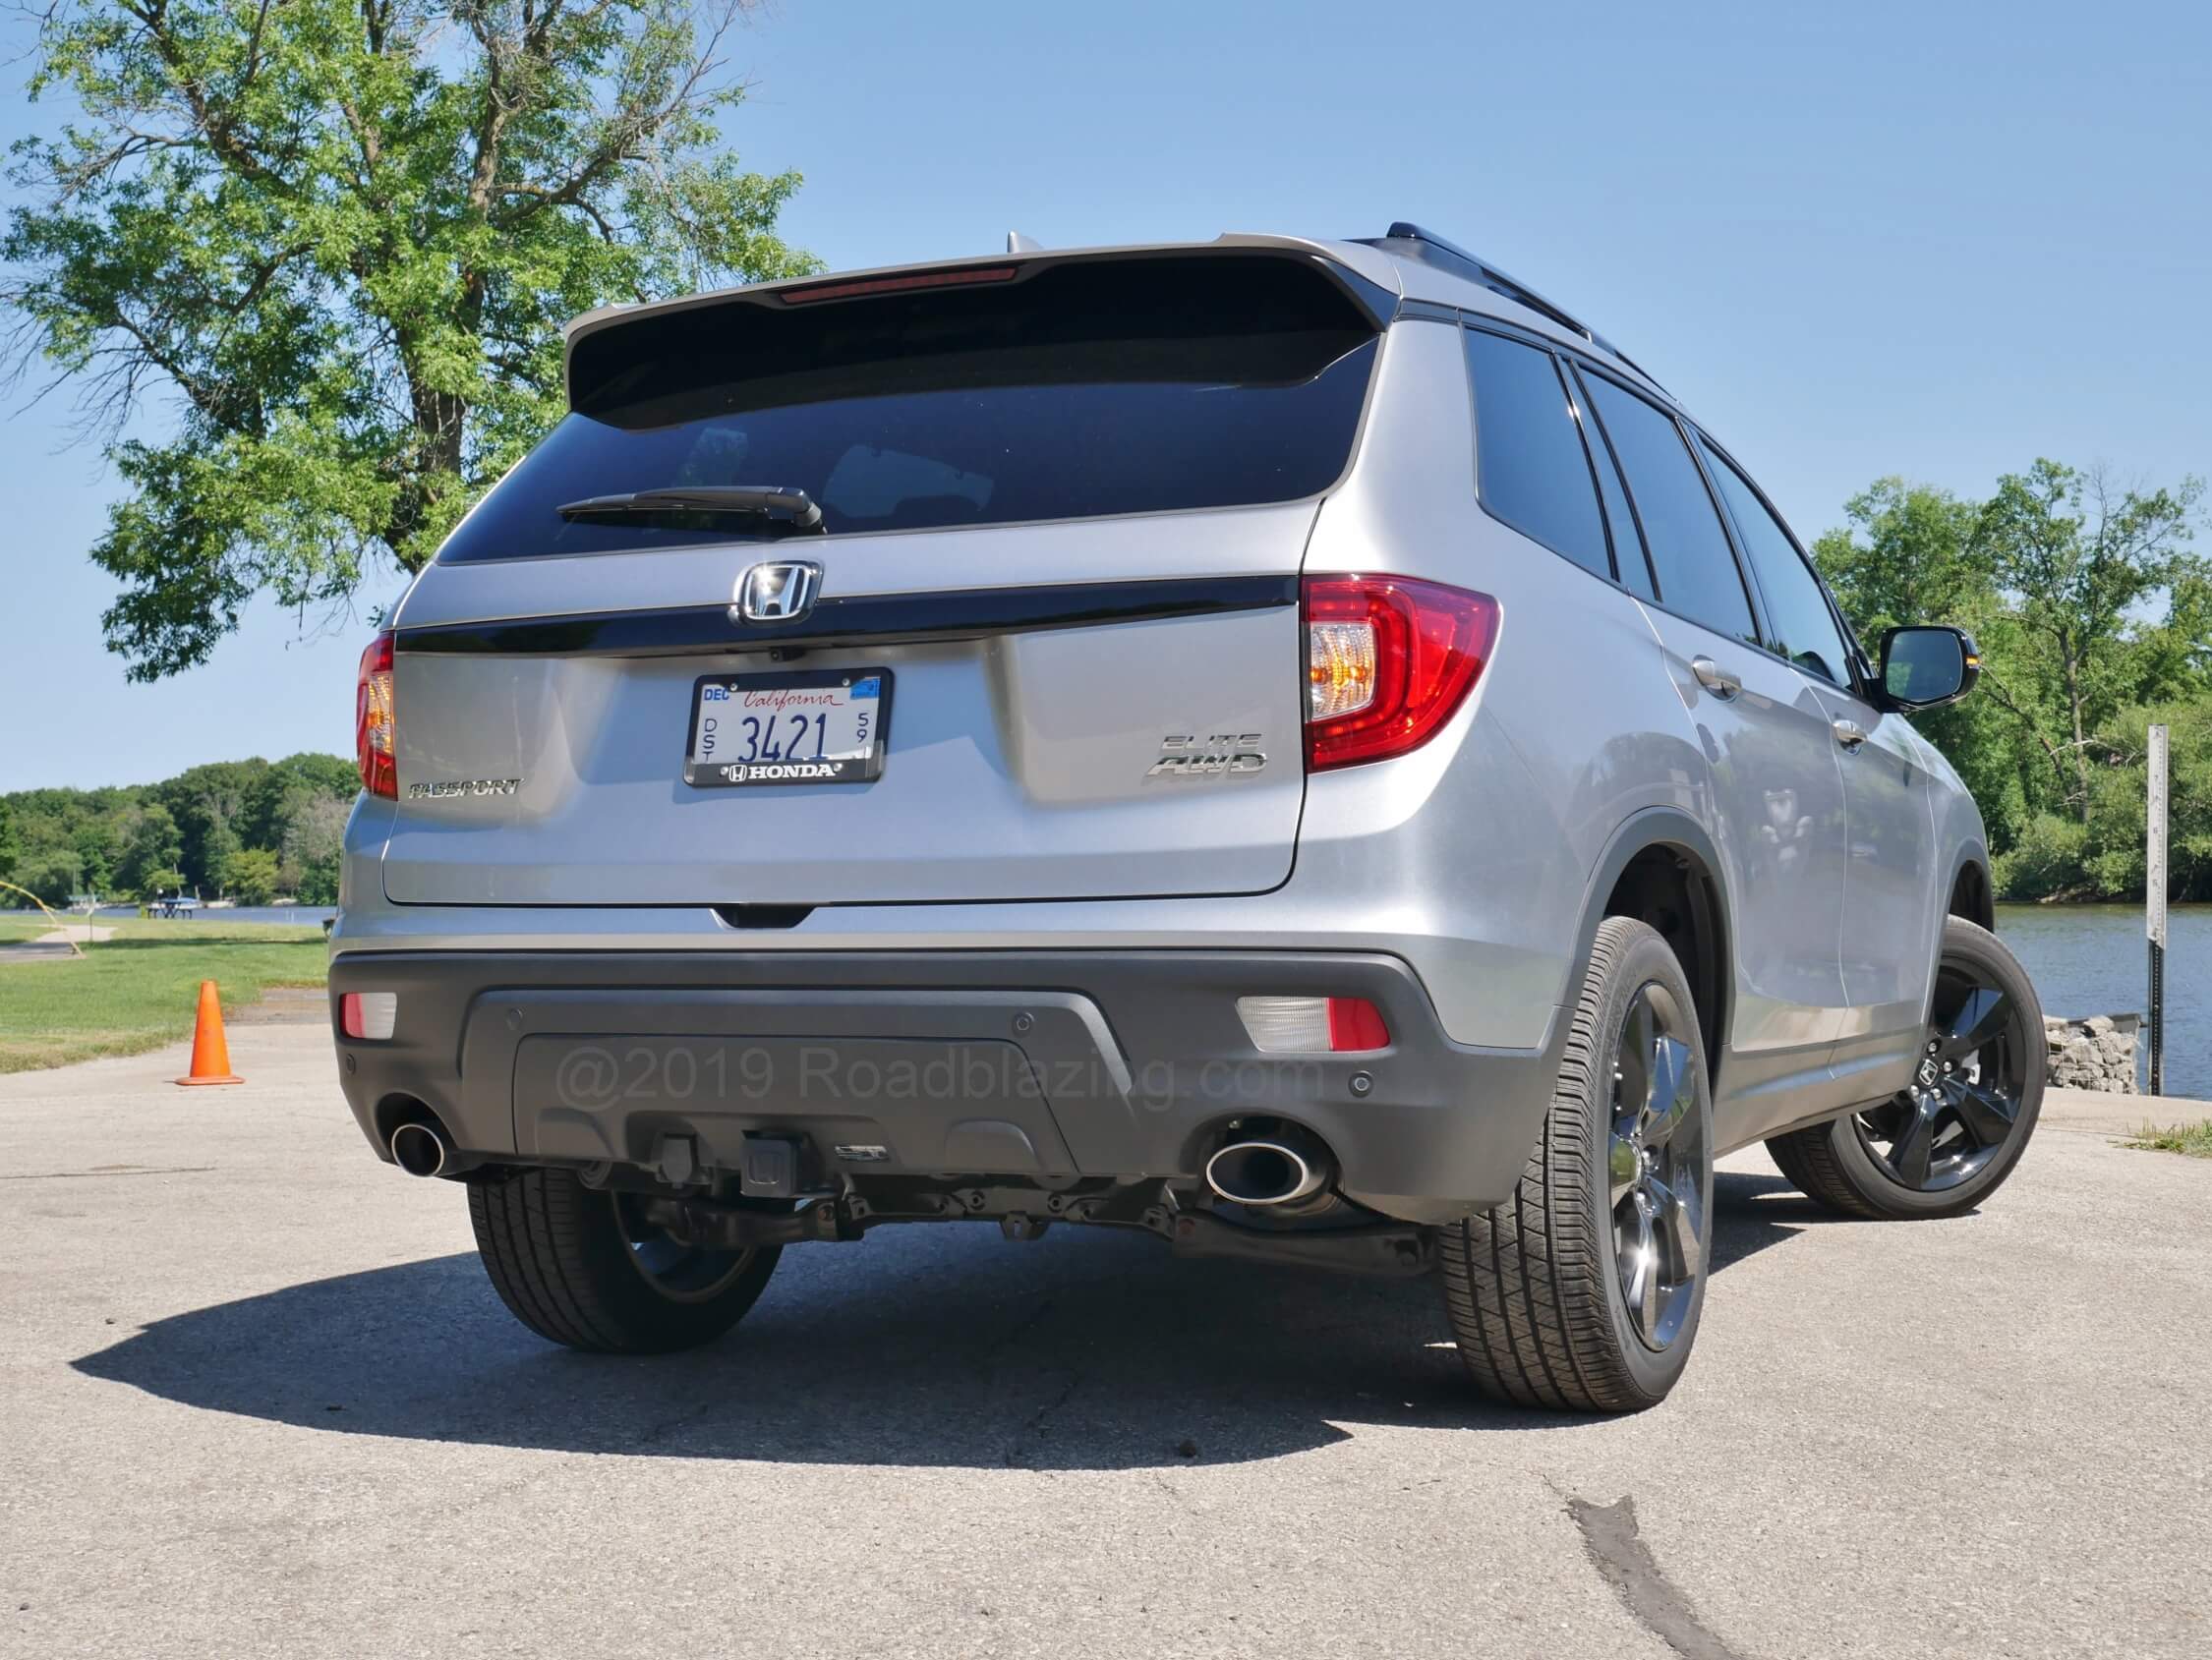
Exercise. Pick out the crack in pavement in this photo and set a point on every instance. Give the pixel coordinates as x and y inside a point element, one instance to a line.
<point>1624,1562</point>
<point>75,1175</point>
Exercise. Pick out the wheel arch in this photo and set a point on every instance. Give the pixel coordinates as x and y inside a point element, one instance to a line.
<point>1661,867</point>
<point>1970,894</point>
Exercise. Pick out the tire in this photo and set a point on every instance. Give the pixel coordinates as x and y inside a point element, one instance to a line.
<point>1844,1165</point>
<point>582,1268</point>
<point>1537,1289</point>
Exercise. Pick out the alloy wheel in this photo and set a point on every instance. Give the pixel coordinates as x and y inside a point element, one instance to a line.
<point>679,1271</point>
<point>1655,1169</point>
<point>1963,1103</point>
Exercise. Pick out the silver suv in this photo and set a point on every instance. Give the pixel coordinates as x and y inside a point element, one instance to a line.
<point>1298,747</point>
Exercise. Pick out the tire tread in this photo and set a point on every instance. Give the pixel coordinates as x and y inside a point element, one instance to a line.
<point>1526,1284</point>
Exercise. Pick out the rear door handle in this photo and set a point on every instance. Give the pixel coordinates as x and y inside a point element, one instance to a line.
<point>1850,734</point>
<point>1716,679</point>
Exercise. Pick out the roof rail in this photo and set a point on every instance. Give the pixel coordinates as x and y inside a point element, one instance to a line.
<point>1434,249</point>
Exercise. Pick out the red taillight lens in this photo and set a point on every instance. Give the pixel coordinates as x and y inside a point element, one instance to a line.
<point>1389,660</point>
<point>372,720</point>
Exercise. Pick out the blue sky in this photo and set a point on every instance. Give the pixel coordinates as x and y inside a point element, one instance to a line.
<point>1931,239</point>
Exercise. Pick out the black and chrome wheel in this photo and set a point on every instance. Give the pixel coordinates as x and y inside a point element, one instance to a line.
<point>587,1269</point>
<point>1583,1290</point>
<point>1948,1139</point>
<point>1657,1168</point>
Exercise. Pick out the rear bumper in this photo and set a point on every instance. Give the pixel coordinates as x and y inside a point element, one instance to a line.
<point>1020,1064</point>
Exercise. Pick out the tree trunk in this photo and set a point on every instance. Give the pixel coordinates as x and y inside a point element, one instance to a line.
<point>2081,745</point>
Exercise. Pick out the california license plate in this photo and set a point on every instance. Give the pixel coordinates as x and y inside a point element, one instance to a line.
<point>815,727</point>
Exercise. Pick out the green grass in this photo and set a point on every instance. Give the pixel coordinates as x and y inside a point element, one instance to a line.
<point>17,926</point>
<point>2195,1140</point>
<point>141,989</point>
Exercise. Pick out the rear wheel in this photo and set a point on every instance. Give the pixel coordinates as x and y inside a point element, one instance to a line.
<point>1583,1290</point>
<point>1951,1137</point>
<point>588,1269</point>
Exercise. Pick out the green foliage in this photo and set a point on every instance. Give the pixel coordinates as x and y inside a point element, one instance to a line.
<point>344,235</point>
<point>2094,619</point>
<point>254,876</point>
<point>11,845</point>
<point>2047,862</point>
<point>52,874</point>
<point>2077,560</point>
<point>248,828</point>
<point>2193,1140</point>
<point>152,853</point>
<point>314,842</point>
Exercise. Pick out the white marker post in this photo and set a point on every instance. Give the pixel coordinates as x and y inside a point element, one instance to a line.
<point>2154,906</point>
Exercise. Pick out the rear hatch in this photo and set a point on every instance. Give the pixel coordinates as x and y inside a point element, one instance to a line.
<point>1052,645</point>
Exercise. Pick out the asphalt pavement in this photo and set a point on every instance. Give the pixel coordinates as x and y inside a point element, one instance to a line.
<point>257,1398</point>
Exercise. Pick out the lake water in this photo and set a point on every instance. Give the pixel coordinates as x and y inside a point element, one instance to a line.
<point>2093,959</point>
<point>2084,959</point>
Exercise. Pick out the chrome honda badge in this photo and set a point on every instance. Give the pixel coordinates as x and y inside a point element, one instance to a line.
<point>780,592</point>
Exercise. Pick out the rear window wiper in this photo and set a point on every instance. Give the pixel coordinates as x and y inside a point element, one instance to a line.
<point>792,509</point>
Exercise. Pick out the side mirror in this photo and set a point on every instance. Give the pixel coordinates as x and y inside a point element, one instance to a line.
<point>1924,666</point>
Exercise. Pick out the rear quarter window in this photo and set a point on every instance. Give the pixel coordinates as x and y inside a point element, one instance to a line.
<point>1530,465</point>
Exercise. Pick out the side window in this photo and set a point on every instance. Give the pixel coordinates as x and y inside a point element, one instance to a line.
<point>1628,543</point>
<point>1530,465</point>
<point>1690,554</point>
<point>1805,630</point>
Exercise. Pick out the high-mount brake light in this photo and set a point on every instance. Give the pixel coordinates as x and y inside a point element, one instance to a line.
<point>1389,660</point>
<point>968,278</point>
<point>372,720</point>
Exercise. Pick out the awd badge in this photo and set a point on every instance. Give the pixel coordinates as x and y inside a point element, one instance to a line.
<point>1195,757</point>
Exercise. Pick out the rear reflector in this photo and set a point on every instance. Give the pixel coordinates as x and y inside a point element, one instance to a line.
<point>369,1015</point>
<point>1312,1025</point>
<point>1388,661</point>
<point>897,284</point>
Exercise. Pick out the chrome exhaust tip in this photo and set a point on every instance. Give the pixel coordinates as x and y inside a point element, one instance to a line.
<point>421,1149</point>
<point>1266,1170</point>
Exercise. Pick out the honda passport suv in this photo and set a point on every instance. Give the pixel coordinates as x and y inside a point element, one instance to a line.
<point>1295,747</point>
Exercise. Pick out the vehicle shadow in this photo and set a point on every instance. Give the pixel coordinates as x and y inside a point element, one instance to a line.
<point>930,1345</point>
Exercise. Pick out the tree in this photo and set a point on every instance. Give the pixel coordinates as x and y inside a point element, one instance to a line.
<point>152,853</point>
<point>94,846</point>
<point>2081,559</point>
<point>207,802</point>
<point>11,844</point>
<point>52,876</point>
<point>282,793</point>
<point>252,877</point>
<point>344,235</point>
<point>312,845</point>
<point>1908,555</point>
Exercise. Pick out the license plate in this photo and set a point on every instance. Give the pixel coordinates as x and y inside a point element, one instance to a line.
<point>815,727</point>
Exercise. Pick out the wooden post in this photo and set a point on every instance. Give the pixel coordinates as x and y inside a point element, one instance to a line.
<point>2154,905</point>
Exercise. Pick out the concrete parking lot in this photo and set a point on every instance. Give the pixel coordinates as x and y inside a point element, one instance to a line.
<point>259,1400</point>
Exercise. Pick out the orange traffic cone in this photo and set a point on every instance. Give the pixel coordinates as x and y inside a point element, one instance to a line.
<point>211,1055</point>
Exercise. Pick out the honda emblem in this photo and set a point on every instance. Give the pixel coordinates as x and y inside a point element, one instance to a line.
<point>782,592</point>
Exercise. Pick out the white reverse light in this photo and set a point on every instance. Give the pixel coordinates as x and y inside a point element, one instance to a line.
<point>369,1015</point>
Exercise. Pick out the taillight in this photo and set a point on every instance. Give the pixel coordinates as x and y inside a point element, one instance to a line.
<point>1388,661</point>
<point>373,717</point>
